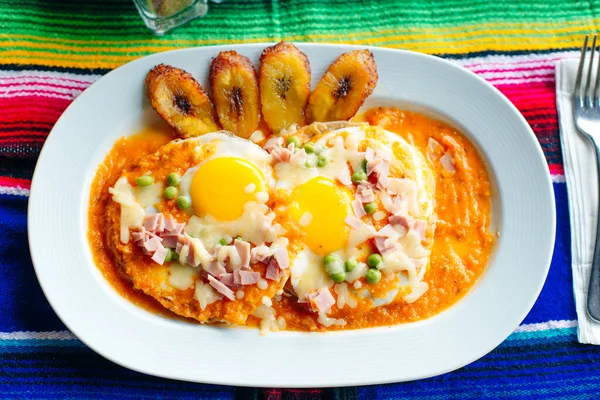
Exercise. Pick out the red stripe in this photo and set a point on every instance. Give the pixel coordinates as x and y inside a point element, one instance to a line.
<point>556,169</point>
<point>15,182</point>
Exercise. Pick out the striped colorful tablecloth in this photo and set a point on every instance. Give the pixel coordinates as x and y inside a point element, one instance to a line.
<point>50,51</point>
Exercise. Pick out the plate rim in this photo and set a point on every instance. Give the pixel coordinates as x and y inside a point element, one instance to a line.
<point>338,47</point>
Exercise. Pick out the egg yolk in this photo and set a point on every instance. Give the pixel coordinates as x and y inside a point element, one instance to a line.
<point>319,208</point>
<point>222,186</point>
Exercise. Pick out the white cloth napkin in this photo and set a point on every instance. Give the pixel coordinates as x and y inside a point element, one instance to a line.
<point>582,183</point>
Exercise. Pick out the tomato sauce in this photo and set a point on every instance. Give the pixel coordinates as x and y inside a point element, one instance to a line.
<point>462,246</point>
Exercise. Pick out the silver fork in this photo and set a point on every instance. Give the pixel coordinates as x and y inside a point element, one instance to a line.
<point>586,113</point>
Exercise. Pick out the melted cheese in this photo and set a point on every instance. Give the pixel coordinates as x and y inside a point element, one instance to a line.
<point>132,213</point>
<point>205,294</point>
<point>308,274</point>
<point>181,277</point>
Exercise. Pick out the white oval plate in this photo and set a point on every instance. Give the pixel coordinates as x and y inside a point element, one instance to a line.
<point>116,105</point>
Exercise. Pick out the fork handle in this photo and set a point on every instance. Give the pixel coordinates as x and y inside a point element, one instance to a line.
<point>593,299</point>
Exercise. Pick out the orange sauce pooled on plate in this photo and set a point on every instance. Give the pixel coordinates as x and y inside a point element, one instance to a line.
<point>462,245</point>
<point>120,158</point>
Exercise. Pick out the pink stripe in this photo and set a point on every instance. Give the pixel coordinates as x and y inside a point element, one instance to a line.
<point>9,85</point>
<point>21,77</point>
<point>540,60</point>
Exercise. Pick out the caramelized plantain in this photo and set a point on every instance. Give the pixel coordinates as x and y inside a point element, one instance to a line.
<point>284,79</point>
<point>235,91</point>
<point>349,80</point>
<point>180,100</point>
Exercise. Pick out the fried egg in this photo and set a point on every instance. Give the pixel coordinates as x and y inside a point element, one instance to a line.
<point>321,200</point>
<point>228,182</point>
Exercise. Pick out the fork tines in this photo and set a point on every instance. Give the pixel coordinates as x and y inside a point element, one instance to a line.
<point>589,95</point>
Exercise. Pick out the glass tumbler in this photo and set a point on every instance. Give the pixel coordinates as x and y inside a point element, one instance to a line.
<point>161,16</point>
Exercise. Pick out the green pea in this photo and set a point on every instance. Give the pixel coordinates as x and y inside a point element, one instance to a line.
<point>335,268</point>
<point>350,264</point>
<point>359,176</point>
<point>183,202</point>
<point>371,207</point>
<point>145,180</point>
<point>169,256</point>
<point>373,276</point>
<point>331,258</point>
<point>174,256</point>
<point>173,179</point>
<point>339,277</point>
<point>170,192</point>
<point>238,237</point>
<point>363,165</point>
<point>309,148</point>
<point>223,242</point>
<point>375,261</point>
<point>295,140</point>
<point>309,163</point>
<point>322,160</point>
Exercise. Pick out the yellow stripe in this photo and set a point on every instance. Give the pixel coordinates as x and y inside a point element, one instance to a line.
<point>86,61</point>
<point>532,29</point>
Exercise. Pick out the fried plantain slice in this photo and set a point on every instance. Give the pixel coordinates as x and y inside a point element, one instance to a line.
<point>284,79</point>
<point>180,100</point>
<point>349,80</point>
<point>234,87</point>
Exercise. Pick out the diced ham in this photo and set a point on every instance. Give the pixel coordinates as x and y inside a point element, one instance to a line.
<point>344,177</point>
<point>260,253</point>
<point>273,142</point>
<point>151,222</point>
<point>236,277</point>
<point>185,239</point>
<point>273,271</point>
<point>160,226</point>
<point>152,244</point>
<point>448,163</point>
<point>323,300</point>
<point>359,210</point>
<point>353,222</point>
<point>169,224</point>
<point>281,256</point>
<point>226,279</point>
<point>160,254</point>
<point>214,269</point>
<point>243,249</point>
<point>419,226</point>
<point>221,288</point>
<point>139,236</point>
<point>401,220</point>
<point>371,165</point>
<point>281,155</point>
<point>365,195</point>
<point>387,231</point>
<point>385,245</point>
<point>249,277</point>
<point>170,241</point>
